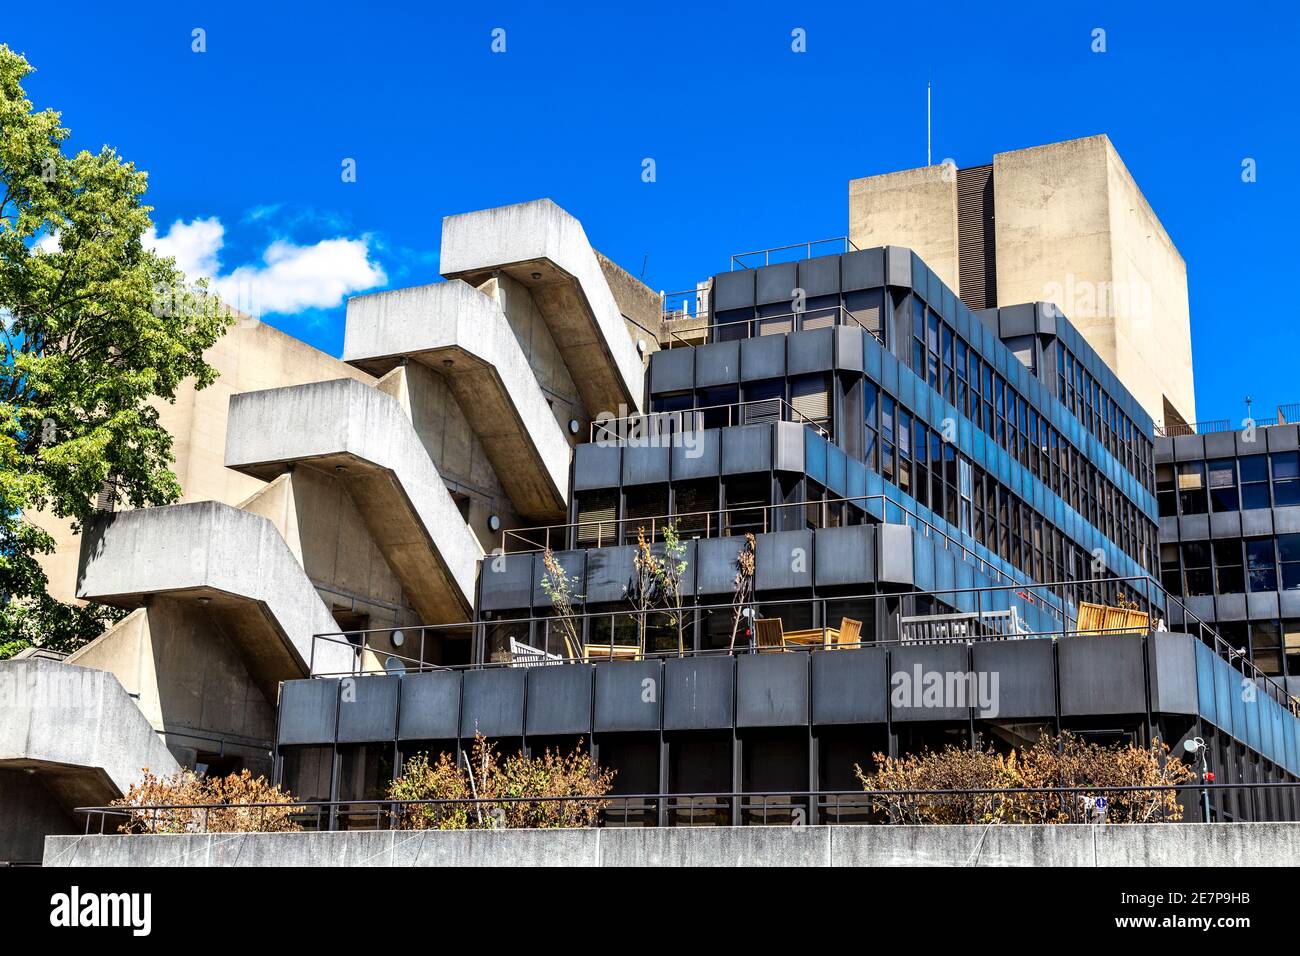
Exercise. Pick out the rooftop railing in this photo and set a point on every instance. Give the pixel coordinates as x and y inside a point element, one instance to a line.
<point>793,252</point>
<point>1286,415</point>
<point>779,324</point>
<point>667,427</point>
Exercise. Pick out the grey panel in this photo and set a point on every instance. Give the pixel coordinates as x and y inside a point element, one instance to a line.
<point>1282,437</point>
<point>864,270</point>
<point>784,560</point>
<point>715,568</point>
<point>574,565</point>
<point>913,669</point>
<point>1164,450</point>
<point>790,447</point>
<point>430,706</point>
<point>672,370</point>
<point>698,455</point>
<point>308,711</point>
<point>717,364</point>
<point>762,357</point>
<point>747,448</point>
<point>368,710</point>
<point>1261,607</point>
<point>494,702</point>
<point>894,554</point>
<point>1286,520</point>
<point>1194,527</point>
<point>820,276</point>
<point>1230,607</point>
<point>898,266</point>
<point>1220,444</point>
<point>609,572</point>
<point>845,555</point>
<point>776,283</point>
<point>1189,447</point>
<point>850,687</point>
<point>506,582</point>
<point>645,466</point>
<point>559,700</point>
<point>595,466</point>
<point>1225,524</point>
<point>1257,521</point>
<point>628,695</point>
<point>698,693</point>
<point>772,690</point>
<point>1101,675</point>
<point>812,351</point>
<point>1173,674</point>
<point>1017,320</point>
<point>1016,679</point>
<point>1288,603</point>
<point>848,348</point>
<point>733,290</point>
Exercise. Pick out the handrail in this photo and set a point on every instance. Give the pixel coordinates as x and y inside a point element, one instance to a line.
<point>841,315</point>
<point>846,243</point>
<point>1286,415</point>
<point>605,429</point>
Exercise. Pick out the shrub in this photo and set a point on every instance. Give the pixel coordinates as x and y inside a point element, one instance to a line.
<point>199,802</point>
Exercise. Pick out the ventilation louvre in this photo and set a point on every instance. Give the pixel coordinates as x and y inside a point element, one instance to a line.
<point>976,258</point>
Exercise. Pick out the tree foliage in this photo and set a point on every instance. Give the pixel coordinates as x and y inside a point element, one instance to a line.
<point>97,329</point>
<point>199,803</point>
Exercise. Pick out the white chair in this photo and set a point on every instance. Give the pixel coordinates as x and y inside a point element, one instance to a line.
<point>525,655</point>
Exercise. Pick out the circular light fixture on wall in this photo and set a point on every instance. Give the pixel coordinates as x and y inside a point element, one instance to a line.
<point>574,426</point>
<point>641,346</point>
<point>398,638</point>
<point>494,523</point>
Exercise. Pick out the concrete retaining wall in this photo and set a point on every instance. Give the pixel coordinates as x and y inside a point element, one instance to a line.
<point>1186,844</point>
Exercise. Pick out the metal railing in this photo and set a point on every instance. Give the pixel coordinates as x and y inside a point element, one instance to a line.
<point>1055,599</point>
<point>667,427</point>
<point>778,324</point>
<point>1286,415</point>
<point>1059,805</point>
<point>837,244</point>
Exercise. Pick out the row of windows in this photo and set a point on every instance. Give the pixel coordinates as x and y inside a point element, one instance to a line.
<point>1092,405</point>
<point>1229,484</point>
<point>1273,645</point>
<point>1231,565</point>
<point>951,367</point>
<point>908,453</point>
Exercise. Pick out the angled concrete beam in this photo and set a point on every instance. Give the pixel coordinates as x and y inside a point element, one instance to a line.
<point>364,438</point>
<point>234,564</point>
<point>546,249</point>
<point>463,335</point>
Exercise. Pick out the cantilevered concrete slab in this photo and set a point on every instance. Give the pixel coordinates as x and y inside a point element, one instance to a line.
<point>543,247</point>
<point>463,335</point>
<point>69,737</point>
<point>233,564</point>
<point>363,437</point>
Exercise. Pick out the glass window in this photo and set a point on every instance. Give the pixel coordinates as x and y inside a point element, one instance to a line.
<point>1288,554</point>
<point>1264,646</point>
<point>1196,568</point>
<point>1286,479</point>
<point>1166,496</point>
<point>1229,576</point>
<point>1262,564</point>
<point>1191,488</point>
<point>1254,482</point>
<point>1223,484</point>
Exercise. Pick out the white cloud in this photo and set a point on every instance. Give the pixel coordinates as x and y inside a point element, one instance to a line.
<point>48,242</point>
<point>290,278</point>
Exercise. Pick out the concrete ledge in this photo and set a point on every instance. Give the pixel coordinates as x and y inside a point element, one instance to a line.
<point>1186,844</point>
<point>234,562</point>
<point>546,249</point>
<point>398,490</point>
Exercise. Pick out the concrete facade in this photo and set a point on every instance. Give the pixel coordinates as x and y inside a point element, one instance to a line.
<point>1071,227</point>
<point>69,737</point>
<point>1134,845</point>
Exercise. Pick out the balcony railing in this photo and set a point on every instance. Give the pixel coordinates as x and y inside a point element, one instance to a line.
<point>664,429</point>
<point>819,317</point>
<point>793,252</point>
<point>1286,415</point>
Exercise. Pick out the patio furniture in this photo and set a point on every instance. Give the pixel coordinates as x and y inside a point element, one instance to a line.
<point>769,634</point>
<point>1103,619</point>
<point>606,652</point>
<point>849,634</point>
<point>525,655</point>
<point>961,626</point>
<point>810,637</point>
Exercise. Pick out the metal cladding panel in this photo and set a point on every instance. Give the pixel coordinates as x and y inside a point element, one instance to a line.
<point>559,700</point>
<point>699,693</point>
<point>1283,437</point>
<point>733,290</point>
<point>864,270</point>
<point>672,370</point>
<point>1288,603</point>
<point>848,348</point>
<point>784,560</point>
<point>772,690</point>
<point>845,556</point>
<point>790,438</point>
<point>609,572</point>
<point>850,687</point>
<point>913,673</point>
<point>776,283</point>
<point>1220,444</point>
<point>894,553</point>
<point>369,710</point>
<point>762,357</point>
<point>1016,679</point>
<point>308,711</point>
<point>1286,520</point>
<point>1257,521</point>
<point>698,456</point>
<point>820,275</point>
<point>812,351</point>
<point>1225,524</point>
<point>1261,607</point>
<point>715,569</point>
<point>629,695</point>
<point>746,449</point>
<point>717,364</point>
<point>1101,675</point>
<point>645,466</point>
<point>494,702</point>
<point>506,581</point>
<point>595,466</point>
<point>430,706</point>
<point>574,565</point>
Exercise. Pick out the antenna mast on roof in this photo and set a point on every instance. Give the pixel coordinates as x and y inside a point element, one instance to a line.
<point>927,124</point>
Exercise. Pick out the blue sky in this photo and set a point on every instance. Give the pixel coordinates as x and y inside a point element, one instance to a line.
<point>753,144</point>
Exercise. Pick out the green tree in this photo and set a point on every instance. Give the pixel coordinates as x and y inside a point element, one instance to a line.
<point>96,330</point>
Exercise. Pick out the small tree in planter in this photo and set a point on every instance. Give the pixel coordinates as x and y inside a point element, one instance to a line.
<point>657,582</point>
<point>213,804</point>
<point>557,586</point>
<point>742,586</point>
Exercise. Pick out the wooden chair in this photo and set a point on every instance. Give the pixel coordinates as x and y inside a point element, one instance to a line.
<point>849,635</point>
<point>525,655</point>
<point>769,634</point>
